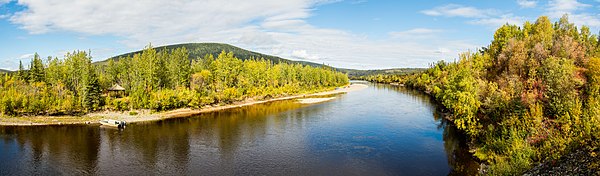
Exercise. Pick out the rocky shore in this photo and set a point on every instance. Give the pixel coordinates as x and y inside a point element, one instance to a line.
<point>579,162</point>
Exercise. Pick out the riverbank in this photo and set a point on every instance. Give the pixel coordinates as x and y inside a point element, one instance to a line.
<point>579,162</point>
<point>147,116</point>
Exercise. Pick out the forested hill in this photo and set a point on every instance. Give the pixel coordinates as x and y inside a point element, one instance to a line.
<point>199,50</point>
<point>4,71</point>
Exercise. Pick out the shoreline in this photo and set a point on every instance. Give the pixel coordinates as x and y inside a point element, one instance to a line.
<point>146,116</point>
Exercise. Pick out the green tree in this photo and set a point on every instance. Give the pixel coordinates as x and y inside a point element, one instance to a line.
<point>460,96</point>
<point>36,70</point>
<point>113,72</point>
<point>558,79</point>
<point>54,71</point>
<point>179,68</point>
<point>592,104</point>
<point>22,74</point>
<point>542,32</point>
<point>92,99</point>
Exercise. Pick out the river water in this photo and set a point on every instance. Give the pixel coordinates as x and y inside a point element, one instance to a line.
<point>381,130</point>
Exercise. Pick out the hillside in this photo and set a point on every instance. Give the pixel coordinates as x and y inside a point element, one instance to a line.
<point>4,71</point>
<point>199,50</point>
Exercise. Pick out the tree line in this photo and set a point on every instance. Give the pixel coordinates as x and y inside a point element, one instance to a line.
<point>387,76</point>
<point>532,95</point>
<point>153,80</point>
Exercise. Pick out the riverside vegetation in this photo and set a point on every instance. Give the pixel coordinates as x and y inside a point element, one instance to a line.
<point>532,95</point>
<point>153,80</point>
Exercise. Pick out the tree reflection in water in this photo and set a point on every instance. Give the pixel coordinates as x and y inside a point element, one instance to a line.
<point>460,160</point>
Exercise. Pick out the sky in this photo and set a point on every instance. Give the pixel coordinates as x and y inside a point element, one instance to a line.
<point>358,34</point>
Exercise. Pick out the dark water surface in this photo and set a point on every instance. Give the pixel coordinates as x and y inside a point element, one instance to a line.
<point>381,130</point>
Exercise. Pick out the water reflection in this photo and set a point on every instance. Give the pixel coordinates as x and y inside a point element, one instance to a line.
<point>460,160</point>
<point>382,130</point>
<point>49,150</point>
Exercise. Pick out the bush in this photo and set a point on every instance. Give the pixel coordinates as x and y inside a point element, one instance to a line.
<point>133,113</point>
<point>168,99</point>
<point>120,104</point>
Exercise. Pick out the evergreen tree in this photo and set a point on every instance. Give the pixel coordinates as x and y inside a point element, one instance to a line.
<point>92,95</point>
<point>21,74</point>
<point>36,71</point>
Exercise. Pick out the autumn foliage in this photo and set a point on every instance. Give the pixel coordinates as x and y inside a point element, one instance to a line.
<point>531,95</point>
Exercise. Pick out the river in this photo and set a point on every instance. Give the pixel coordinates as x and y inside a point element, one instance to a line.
<point>381,130</point>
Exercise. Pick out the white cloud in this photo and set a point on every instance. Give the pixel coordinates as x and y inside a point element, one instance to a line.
<point>415,33</point>
<point>303,55</point>
<point>499,21</point>
<point>585,19</point>
<point>575,10</point>
<point>527,3</point>
<point>358,1</point>
<point>455,10</point>
<point>269,26</point>
<point>442,50</point>
<point>488,17</point>
<point>566,5</point>
<point>26,56</point>
<point>153,17</point>
<point>13,62</point>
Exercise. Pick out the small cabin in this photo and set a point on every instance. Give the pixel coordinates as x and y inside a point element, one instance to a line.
<point>116,91</point>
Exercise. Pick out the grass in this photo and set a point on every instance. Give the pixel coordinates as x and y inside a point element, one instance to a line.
<point>133,113</point>
<point>24,120</point>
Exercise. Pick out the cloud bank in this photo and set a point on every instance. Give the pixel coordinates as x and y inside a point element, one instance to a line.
<point>574,8</point>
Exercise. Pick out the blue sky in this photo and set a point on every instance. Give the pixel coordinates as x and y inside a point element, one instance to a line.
<point>361,34</point>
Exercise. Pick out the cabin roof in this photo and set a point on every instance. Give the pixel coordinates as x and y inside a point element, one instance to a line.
<point>116,87</point>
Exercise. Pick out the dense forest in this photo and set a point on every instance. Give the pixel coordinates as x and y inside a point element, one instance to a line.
<point>153,80</point>
<point>385,75</point>
<point>532,95</point>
